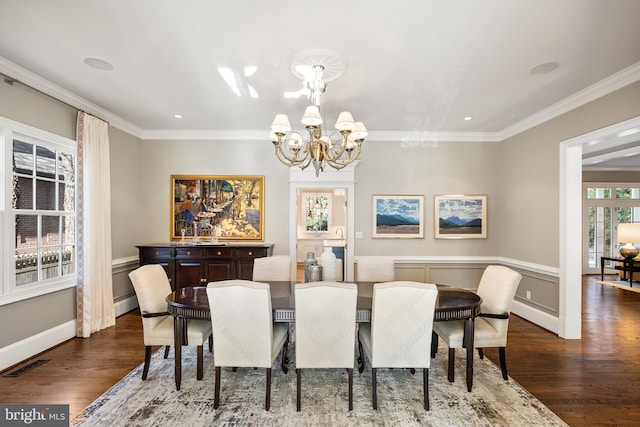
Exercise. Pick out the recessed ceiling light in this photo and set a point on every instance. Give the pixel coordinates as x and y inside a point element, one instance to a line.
<point>98,64</point>
<point>544,68</point>
<point>177,116</point>
<point>468,118</point>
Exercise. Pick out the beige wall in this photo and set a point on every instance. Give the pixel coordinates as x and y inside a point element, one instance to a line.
<point>530,175</point>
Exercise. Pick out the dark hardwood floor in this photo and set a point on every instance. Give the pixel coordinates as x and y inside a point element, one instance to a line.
<point>590,382</point>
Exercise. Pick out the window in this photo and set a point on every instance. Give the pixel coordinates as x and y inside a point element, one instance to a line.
<point>317,212</point>
<point>606,206</point>
<point>39,178</point>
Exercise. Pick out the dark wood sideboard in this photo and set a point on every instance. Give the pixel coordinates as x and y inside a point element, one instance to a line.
<point>197,265</point>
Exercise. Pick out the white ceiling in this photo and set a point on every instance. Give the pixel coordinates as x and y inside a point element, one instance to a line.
<point>411,67</point>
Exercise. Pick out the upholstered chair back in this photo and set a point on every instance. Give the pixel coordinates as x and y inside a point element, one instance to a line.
<point>375,269</point>
<point>272,268</point>
<point>152,287</point>
<point>497,289</point>
<point>401,324</point>
<point>325,324</point>
<point>242,323</point>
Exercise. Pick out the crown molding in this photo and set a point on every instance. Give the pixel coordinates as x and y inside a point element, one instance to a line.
<point>604,87</point>
<point>34,81</point>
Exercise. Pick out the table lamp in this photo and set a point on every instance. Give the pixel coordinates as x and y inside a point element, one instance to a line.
<point>629,234</point>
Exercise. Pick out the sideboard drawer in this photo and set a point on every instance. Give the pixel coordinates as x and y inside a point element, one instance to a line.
<point>222,252</point>
<point>189,253</point>
<point>252,252</point>
<point>149,253</point>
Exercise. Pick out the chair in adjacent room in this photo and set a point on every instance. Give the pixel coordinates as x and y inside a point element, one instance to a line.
<point>497,289</point>
<point>400,332</point>
<point>325,329</point>
<point>375,269</point>
<point>151,285</point>
<point>272,268</point>
<point>244,334</point>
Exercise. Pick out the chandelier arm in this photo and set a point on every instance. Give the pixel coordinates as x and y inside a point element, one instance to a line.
<point>339,163</point>
<point>282,155</point>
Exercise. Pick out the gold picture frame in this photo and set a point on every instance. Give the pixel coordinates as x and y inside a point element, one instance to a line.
<point>218,207</point>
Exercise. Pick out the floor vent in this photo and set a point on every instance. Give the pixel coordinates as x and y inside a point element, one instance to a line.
<point>27,368</point>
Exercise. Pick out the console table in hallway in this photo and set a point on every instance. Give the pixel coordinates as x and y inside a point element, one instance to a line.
<point>629,265</point>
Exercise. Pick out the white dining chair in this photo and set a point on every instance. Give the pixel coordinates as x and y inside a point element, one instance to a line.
<point>400,332</point>
<point>272,268</point>
<point>244,334</point>
<point>375,269</point>
<point>152,287</point>
<point>325,329</point>
<point>497,289</point>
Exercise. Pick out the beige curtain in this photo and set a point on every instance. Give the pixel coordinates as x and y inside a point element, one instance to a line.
<point>95,307</point>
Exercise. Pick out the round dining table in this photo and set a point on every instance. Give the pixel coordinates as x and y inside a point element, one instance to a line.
<point>192,303</point>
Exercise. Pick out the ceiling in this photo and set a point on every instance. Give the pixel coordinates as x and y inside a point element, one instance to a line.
<point>416,67</point>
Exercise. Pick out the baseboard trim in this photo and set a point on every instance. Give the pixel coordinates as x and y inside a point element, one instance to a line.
<point>536,316</point>
<point>22,350</point>
<point>28,347</point>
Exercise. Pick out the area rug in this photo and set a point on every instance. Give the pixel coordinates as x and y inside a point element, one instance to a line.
<point>155,402</point>
<point>624,285</point>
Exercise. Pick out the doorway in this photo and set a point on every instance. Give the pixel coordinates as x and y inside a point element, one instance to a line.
<point>338,187</point>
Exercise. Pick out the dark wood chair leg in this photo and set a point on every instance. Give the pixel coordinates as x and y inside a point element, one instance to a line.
<point>210,343</point>
<point>350,371</point>
<point>166,351</point>
<point>285,355</point>
<point>200,359</point>
<point>216,393</point>
<point>267,403</point>
<point>434,344</point>
<point>298,380</point>
<point>452,359</point>
<point>425,387</point>
<point>480,353</point>
<point>147,361</point>
<point>503,362</point>
<point>374,388</point>
<point>360,356</point>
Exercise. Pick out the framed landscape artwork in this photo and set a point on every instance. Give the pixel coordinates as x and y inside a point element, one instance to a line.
<point>217,207</point>
<point>461,217</point>
<point>398,217</point>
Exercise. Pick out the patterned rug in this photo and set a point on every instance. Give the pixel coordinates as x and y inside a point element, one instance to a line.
<point>155,402</point>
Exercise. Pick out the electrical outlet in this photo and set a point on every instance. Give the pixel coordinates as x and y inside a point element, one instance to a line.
<point>528,294</point>
<point>358,234</point>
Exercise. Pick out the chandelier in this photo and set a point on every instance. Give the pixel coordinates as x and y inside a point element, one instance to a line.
<point>336,149</point>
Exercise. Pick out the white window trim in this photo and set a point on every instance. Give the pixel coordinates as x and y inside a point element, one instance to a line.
<point>9,292</point>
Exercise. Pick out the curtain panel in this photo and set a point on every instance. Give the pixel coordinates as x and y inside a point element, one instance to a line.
<point>95,306</point>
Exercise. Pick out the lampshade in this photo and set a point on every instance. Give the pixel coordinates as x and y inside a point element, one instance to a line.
<point>359,131</point>
<point>312,116</point>
<point>281,124</point>
<point>345,121</point>
<point>629,234</point>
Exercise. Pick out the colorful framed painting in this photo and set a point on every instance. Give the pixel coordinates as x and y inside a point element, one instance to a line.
<point>217,207</point>
<point>398,216</point>
<point>460,217</point>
